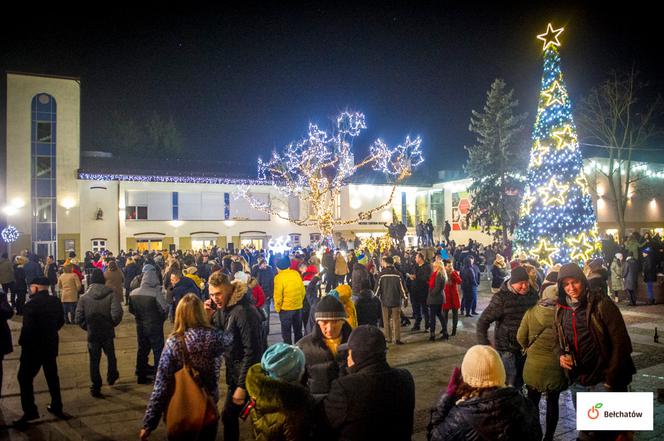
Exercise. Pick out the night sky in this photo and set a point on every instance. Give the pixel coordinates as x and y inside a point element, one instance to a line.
<point>240,82</point>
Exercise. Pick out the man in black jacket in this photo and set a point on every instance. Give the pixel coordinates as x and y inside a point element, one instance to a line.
<point>419,289</point>
<point>374,401</point>
<point>391,292</point>
<point>42,319</point>
<point>98,312</point>
<point>233,312</point>
<point>506,309</point>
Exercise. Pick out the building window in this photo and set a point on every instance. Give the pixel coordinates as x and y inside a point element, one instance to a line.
<point>44,131</point>
<point>98,245</point>
<point>43,167</point>
<point>136,213</point>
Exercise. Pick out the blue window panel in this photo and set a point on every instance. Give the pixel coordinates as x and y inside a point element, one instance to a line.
<point>43,149</point>
<point>175,213</point>
<point>44,232</point>
<point>44,188</point>
<point>175,199</point>
<point>227,206</point>
<point>404,211</point>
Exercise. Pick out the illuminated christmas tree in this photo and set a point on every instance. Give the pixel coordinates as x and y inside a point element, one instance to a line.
<point>557,222</point>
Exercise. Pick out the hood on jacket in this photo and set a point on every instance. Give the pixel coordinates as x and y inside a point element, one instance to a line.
<point>273,395</point>
<point>150,279</point>
<point>239,290</point>
<point>566,271</point>
<point>98,291</point>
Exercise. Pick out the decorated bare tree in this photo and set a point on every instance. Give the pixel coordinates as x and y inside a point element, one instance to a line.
<point>315,168</point>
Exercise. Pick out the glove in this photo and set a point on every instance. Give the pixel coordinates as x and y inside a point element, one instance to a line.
<point>455,381</point>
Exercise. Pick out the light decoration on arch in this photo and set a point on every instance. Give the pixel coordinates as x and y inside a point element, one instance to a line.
<point>381,243</point>
<point>315,168</point>
<point>10,234</point>
<point>557,222</point>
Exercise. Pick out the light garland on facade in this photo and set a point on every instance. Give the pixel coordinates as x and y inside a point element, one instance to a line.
<point>166,179</point>
<point>557,222</point>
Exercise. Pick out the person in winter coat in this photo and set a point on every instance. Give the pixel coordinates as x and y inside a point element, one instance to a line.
<point>498,273</point>
<point>234,313</point>
<point>328,268</point>
<point>374,401</point>
<point>51,273</point>
<point>33,269</point>
<point>340,269</point>
<point>265,276</point>
<point>343,294</point>
<point>506,309</point>
<point>470,281</point>
<point>99,311</point>
<point>542,373</point>
<point>391,291</point>
<point>114,279</point>
<point>419,289</point>
<point>630,277</point>
<point>131,270</point>
<point>649,273</point>
<point>6,275</point>
<point>436,299</point>
<point>6,346</point>
<point>39,341</point>
<point>182,286</point>
<point>20,286</point>
<point>204,346</point>
<point>149,307</point>
<point>283,409</point>
<point>478,406</point>
<point>368,308</point>
<point>451,297</point>
<point>69,285</point>
<point>289,295</point>
<point>617,283</point>
<point>360,278</point>
<point>324,360</point>
<point>594,346</point>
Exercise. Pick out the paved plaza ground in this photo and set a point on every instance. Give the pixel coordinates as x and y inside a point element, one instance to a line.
<point>118,416</point>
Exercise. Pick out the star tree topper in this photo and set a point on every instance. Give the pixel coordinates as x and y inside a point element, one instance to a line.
<point>550,37</point>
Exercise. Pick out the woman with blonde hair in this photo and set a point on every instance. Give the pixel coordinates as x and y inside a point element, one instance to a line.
<point>204,346</point>
<point>69,285</point>
<point>498,273</point>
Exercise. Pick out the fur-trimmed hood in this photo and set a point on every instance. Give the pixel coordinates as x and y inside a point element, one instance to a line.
<point>239,290</point>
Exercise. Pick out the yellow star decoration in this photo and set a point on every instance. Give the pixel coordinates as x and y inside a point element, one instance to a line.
<point>544,252</point>
<point>550,37</point>
<point>582,247</point>
<point>583,183</point>
<point>527,203</point>
<point>566,138</point>
<point>554,193</point>
<point>555,94</point>
<point>539,151</point>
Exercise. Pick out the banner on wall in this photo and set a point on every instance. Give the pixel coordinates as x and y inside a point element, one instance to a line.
<point>461,204</point>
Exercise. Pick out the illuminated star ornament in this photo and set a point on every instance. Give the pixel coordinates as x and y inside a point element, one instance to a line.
<point>555,95</point>
<point>582,248</point>
<point>554,193</point>
<point>545,252</point>
<point>566,138</point>
<point>550,37</point>
<point>539,152</point>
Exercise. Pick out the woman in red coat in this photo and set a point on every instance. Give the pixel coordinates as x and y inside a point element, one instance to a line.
<point>451,297</point>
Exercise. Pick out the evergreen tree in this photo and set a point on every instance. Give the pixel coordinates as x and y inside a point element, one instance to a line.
<point>496,161</point>
<point>557,222</point>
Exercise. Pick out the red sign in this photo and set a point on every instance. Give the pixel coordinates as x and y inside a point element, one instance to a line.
<point>464,206</point>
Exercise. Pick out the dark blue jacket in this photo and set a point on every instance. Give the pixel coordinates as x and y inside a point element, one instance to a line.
<point>183,287</point>
<point>470,276</point>
<point>265,279</point>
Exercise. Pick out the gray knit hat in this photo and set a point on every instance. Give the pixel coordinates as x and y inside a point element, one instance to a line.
<point>329,308</point>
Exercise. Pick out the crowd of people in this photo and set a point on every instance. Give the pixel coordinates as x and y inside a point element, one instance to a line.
<point>553,331</point>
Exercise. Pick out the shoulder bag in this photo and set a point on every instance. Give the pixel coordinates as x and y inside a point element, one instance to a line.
<point>190,408</point>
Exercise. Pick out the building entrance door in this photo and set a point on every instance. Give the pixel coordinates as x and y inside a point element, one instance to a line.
<point>44,249</point>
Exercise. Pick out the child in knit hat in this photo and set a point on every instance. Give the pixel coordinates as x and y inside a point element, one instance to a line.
<point>281,404</point>
<point>476,394</point>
